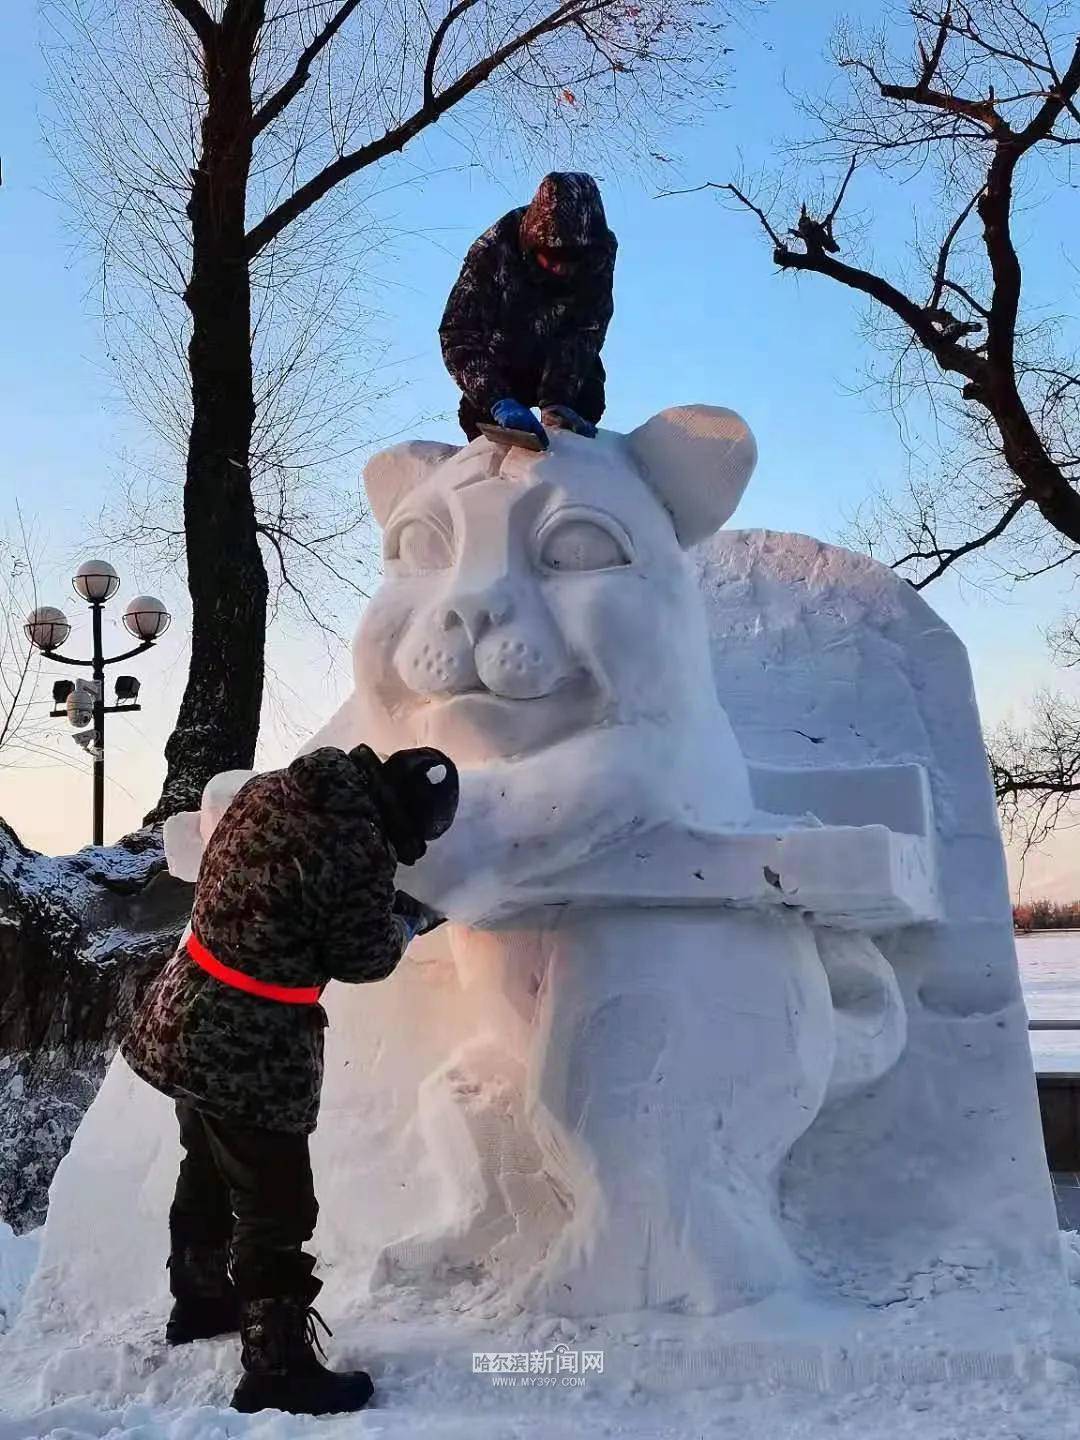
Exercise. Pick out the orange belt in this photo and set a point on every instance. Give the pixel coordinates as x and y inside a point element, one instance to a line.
<point>284,994</point>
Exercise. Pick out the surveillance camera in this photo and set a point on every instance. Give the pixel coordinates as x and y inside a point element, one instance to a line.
<point>127,687</point>
<point>81,701</point>
<point>89,741</point>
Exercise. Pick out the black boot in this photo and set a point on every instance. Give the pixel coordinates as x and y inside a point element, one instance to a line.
<point>282,1370</point>
<point>206,1303</point>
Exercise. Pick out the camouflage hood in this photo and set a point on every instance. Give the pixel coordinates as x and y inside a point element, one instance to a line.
<point>566,212</point>
<point>327,781</point>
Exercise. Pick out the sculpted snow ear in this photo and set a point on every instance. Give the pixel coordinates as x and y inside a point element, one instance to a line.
<point>698,460</point>
<point>393,473</point>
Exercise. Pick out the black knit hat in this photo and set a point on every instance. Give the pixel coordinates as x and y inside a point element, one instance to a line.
<point>416,792</point>
<point>426,781</point>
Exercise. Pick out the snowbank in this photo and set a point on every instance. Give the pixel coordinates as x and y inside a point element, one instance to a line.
<point>136,1391</point>
<point>18,1258</point>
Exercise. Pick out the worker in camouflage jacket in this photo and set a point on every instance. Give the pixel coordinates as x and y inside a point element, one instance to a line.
<point>526,321</point>
<point>296,888</point>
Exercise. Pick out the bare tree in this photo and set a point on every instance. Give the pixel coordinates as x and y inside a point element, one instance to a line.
<point>984,107</point>
<point>220,143</point>
<point>1036,767</point>
<point>18,658</point>
<point>1036,770</point>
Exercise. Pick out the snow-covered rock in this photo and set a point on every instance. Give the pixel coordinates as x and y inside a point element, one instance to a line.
<point>80,936</point>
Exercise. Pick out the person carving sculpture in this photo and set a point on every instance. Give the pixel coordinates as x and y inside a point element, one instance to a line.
<point>296,888</point>
<point>527,318</point>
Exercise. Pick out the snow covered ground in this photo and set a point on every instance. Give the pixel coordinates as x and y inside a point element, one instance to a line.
<point>18,1256</point>
<point>126,1385</point>
<point>979,1411</point>
<point>669,1380</point>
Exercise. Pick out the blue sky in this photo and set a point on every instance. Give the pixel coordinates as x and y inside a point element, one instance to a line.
<point>701,315</point>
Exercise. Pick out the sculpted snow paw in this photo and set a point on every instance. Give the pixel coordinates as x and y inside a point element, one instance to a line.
<point>501,1206</point>
<point>185,835</point>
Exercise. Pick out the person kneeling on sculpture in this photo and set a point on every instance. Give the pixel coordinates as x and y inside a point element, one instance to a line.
<point>296,888</point>
<point>527,318</point>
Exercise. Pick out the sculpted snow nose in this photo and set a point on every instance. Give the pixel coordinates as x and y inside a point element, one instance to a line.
<point>477,614</point>
<point>485,640</point>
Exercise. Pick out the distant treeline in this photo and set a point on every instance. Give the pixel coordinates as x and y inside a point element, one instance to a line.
<point>1047,915</point>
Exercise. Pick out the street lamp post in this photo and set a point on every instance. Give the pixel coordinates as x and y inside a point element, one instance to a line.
<point>47,628</point>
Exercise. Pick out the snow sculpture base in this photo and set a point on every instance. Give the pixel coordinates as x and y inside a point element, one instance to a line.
<point>725,1045</point>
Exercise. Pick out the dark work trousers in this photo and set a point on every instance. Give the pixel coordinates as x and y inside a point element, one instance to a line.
<point>589,404</point>
<point>251,1190</point>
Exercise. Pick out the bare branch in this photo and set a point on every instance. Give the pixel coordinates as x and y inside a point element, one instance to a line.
<point>932,59</point>
<point>744,200</point>
<point>831,216</point>
<point>1036,769</point>
<point>967,297</point>
<point>18,658</point>
<point>946,558</point>
<point>949,355</point>
<point>1062,98</point>
<point>273,106</point>
<point>437,39</point>
<point>982,112</point>
<point>940,280</point>
<point>200,21</point>
<point>399,136</point>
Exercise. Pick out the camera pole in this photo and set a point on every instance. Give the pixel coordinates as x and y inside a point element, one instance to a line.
<point>145,619</point>
<point>99,728</point>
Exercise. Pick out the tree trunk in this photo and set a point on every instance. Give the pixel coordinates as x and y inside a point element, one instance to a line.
<point>218,722</point>
<point>81,937</point>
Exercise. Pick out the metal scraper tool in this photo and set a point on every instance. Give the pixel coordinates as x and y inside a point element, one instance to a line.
<point>500,435</point>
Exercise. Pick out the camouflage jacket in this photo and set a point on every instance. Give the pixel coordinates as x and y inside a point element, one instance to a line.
<point>296,888</point>
<point>508,329</point>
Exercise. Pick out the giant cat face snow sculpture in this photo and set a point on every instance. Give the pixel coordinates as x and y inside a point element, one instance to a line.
<point>539,619</point>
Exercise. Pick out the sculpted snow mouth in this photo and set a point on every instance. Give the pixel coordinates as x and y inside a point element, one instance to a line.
<point>476,724</point>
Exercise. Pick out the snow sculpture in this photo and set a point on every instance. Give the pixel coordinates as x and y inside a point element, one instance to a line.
<point>729,1005</point>
<point>541,622</point>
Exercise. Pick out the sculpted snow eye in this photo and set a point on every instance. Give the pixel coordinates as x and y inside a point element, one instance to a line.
<point>581,543</point>
<point>418,546</point>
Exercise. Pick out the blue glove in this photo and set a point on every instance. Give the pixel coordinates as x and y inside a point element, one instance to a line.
<point>512,415</point>
<point>406,930</point>
<point>561,417</point>
<point>415,916</point>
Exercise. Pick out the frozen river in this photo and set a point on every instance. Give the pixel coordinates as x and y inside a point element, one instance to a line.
<point>1050,974</point>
